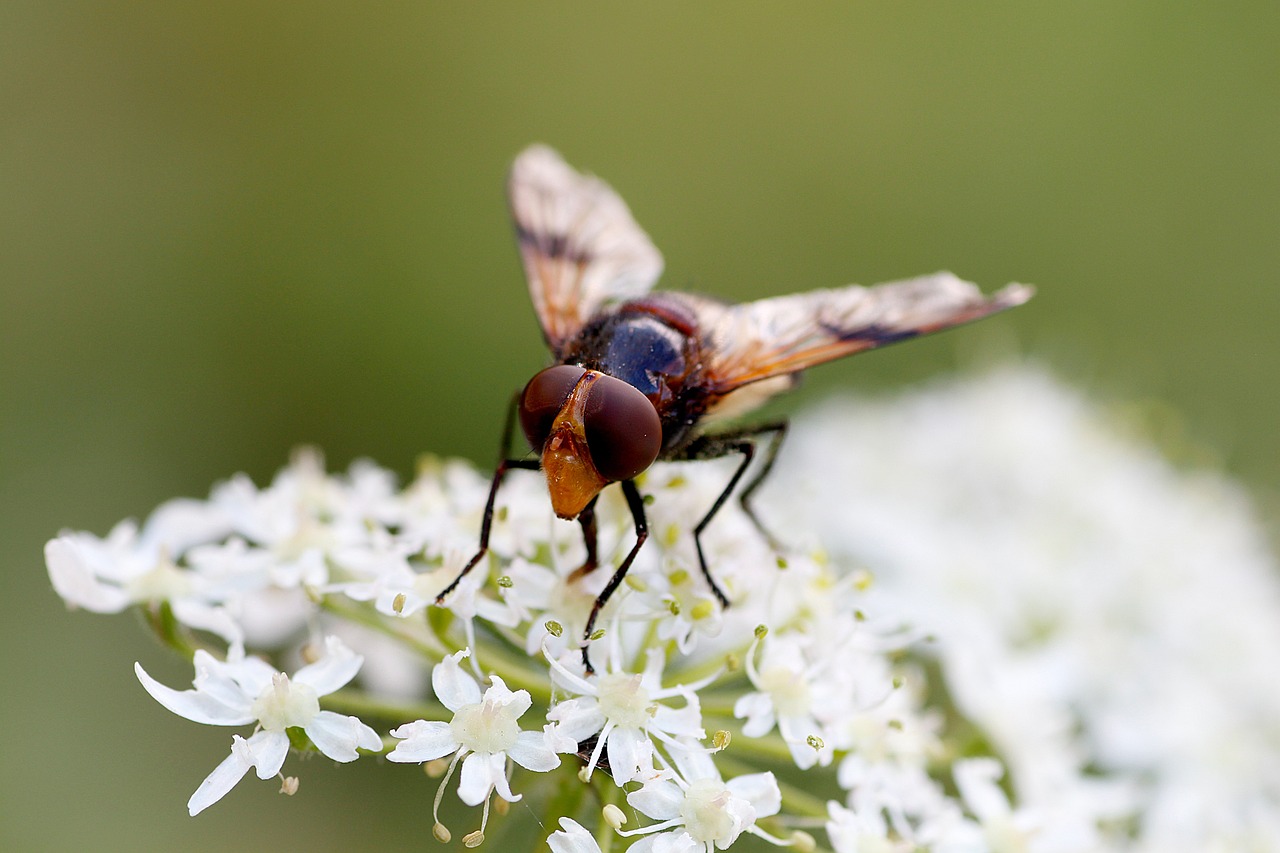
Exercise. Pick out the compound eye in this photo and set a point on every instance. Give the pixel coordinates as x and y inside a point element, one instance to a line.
<point>543,398</point>
<point>624,433</point>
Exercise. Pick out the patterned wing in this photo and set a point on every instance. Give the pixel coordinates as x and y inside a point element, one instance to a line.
<point>580,246</point>
<point>777,337</point>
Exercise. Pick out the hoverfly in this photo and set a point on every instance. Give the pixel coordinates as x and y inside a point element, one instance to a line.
<point>637,375</point>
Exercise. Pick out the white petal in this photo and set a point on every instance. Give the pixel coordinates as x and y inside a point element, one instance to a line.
<point>978,781</point>
<point>453,687</point>
<point>498,763</point>
<point>223,778</point>
<point>572,838</point>
<point>680,722</point>
<point>578,718</point>
<point>77,583</point>
<point>558,740</point>
<point>269,751</point>
<point>205,617</point>
<point>422,741</point>
<point>675,841</point>
<point>193,704</point>
<point>479,776</point>
<point>238,677</point>
<point>627,749</point>
<point>532,752</point>
<point>338,666</point>
<point>757,708</point>
<point>337,735</point>
<point>518,701</point>
<point>759,789</point>
<point>659,800</point>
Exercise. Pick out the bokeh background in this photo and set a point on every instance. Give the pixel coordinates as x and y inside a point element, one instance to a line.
<point>230,228</point>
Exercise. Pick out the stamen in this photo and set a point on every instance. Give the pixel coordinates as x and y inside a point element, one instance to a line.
<point>435,806</point>
<point>614,816</point>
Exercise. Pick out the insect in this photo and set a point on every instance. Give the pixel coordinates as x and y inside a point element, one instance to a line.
<point>640,376</point>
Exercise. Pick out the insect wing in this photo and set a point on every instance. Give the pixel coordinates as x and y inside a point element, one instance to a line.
<point>580,246</point>
<point>776,337</point>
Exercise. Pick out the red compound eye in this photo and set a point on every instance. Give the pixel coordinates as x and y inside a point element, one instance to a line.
<point>624,433</point>
<point>543,398</point>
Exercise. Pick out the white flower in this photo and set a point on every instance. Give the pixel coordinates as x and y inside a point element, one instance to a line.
<point>246,690</point>
<point>132,566</point>
<point>699,812</point>
<point>626,709</point>
<point>696,810</point>
<point>483,733</point>
<point>785,694</point>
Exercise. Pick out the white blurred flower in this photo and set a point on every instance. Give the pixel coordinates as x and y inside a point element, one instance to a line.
<point>247,690</point>
<point>1107,619</point>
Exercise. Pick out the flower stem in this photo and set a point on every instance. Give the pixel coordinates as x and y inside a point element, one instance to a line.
<point>359,703</point>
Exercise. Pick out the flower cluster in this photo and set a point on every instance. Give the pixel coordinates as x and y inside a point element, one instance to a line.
<point>1031,667</point>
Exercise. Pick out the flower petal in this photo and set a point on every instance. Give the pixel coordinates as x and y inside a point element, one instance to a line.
<point>338,666</point>
<point>628,750</point>
<point>206,617</point>
<point>518,701</point>
<point>480,773</point>
<point>269,750</point>
<point>195,705</point>
<point>77,583</point>
<point>532,752</point>
<point>337,735</point>
<point>223,778</point>
<point>578,718</point>
<point>422,740</point>
<point>453,687</point>
<point>659,800</point>
<point>572,838</point>
<point>759,789</point>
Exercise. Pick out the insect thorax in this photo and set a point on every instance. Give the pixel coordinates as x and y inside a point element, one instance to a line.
<point>646,351</point>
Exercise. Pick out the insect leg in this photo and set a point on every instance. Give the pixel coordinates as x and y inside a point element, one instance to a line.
<point>636,503</point>
<point>779,433</point>
<point>587,519</point>
<point>722,444</point>
<point>505,464</point>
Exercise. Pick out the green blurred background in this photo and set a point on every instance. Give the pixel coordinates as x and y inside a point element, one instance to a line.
<point>229,228</point>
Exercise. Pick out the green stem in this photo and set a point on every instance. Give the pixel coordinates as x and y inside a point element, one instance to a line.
<point>365,615</point>
<point>568,800</point>
<point>363,705</point>
<point>169,631</point>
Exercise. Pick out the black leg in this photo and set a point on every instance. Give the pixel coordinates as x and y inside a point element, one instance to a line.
<point>505,464</point>
<point>723,444</point>
<point>779,433</point>
<point>636,503</point>
<point>587,519</point>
